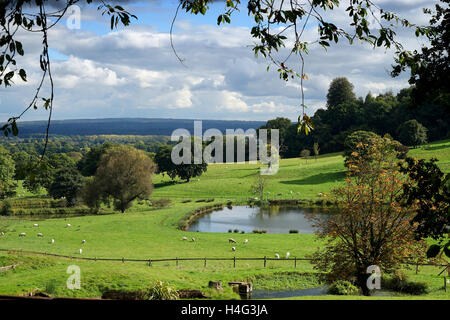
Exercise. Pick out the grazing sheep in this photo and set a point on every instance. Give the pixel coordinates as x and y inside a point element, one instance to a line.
<point>83,241</point>
<point>53,241</point>
<point>277,256</point>
<point>2,233</point>
<point>68,225</point>
<point>231,240</point>
<point>81,251</point>
<point>245,241</point>
<point>320,194</point>
<point>193,239</point>
<point>35,225</point>
<point>288,254</point>
<point>184,238</point>
<point>23,234</point>
<point>40,235</point>
<point>233,248</point>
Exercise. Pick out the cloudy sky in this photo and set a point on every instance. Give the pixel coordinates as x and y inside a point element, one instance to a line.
<point>133,72</point>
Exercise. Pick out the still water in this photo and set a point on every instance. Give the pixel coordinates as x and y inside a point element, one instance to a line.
<point>273,219</point>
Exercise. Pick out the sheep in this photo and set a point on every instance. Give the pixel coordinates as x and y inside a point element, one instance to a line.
<point>2,233</point>
<point>35,225</point>
<point>40,235</point>
<point>277,256</point>
<point>81,251</point>
<point>231,240</point>
<point>68,225</point>
<point>193,239</point>
<point>245,241</point>
<point>320,194</point>
<point>23,234</point>
<point>184,239</point>
<point>288,254</point>
<point>53,241</point>
<point>233,248</point>
<point>83,241</point>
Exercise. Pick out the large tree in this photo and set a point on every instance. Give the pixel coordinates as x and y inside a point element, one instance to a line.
<point>124,174</point>
<point>7,170</point>
<point>412,133</point>
<point>185,171</point>
<point>372,227</point>
<point>66,183</point>
<point>340,92</point>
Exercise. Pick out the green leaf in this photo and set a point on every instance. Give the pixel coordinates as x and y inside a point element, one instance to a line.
<point>15,130</point>
<point>23,74</point>
<point>433,251</point>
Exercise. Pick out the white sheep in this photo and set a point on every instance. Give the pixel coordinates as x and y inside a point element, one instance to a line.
<point>35,225</point>
<point>81,251</point>
<point>193,239</point>
<point>184,238</point>
<point>23,234</point>
<point>83,241</point>
<point>40,234</point>
<point>288,254</point>
<point>53,241</point>
<point>2,233</point>
<point>233,248</point>
<point>277,256</point>
<point>68,225</point>
<point>231,240</point>
<point>245,241</point>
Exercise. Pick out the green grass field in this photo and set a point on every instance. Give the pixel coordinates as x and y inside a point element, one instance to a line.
<point>146,233</point>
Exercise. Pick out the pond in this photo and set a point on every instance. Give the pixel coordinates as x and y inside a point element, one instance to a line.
<point>273,219</point>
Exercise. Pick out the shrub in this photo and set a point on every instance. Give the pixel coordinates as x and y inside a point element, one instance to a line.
<point>399,283</point>
<point>236,231</point>
<point>343,288</point>
<point>293,231</point>
<point>186,201</point>
<point>230,231</point>
<point>6,208</point>
<point>161,203</point>
<point>161,291</point>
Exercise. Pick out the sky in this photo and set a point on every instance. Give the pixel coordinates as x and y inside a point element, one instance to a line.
<point>133,72</point>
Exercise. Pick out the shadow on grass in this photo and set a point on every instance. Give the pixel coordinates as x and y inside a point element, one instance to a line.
<point>318,178</point>
<point>431,148</point>
<point>165,184</point>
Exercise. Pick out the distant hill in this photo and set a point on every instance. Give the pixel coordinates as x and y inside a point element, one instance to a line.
<point>129,126</point>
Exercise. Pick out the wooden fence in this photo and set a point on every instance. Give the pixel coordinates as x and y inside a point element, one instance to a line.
<point>205,260</point>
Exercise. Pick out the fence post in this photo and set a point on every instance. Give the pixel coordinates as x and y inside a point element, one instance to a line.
<point>149,262</point>
<point>234,262</point>
<point>176,260</point>
<point>265,261</point>
<point>205,262</point>
<point>295,262</point>
<point>123,260</point>
<point>417,267</point>
<point>445,283</point>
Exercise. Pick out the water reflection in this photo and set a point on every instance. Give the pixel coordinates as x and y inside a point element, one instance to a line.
<point>273,219</point>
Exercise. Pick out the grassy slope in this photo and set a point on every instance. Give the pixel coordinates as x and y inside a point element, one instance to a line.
<point>144,233</point>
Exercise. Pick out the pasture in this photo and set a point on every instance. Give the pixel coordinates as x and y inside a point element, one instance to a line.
<point>144,232</point>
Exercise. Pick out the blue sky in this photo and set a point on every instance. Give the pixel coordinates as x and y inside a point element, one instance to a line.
<point>133,72</point>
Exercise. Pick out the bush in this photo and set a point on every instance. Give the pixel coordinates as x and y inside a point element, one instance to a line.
<point>6,208</point>
<point>236,231</point>
<point>293,231</point>
<point>161,291</point>
<point>343,288</point>
<point>399,283</point>
<point>161,203</point>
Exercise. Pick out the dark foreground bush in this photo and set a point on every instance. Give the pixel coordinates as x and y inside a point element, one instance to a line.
<point>343,288</point>
<point>403,285</point>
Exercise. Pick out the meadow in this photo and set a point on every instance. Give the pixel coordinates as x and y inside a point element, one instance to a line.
<point>144,232</point>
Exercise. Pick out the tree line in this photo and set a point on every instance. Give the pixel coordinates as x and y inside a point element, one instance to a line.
<point>397,115</point>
